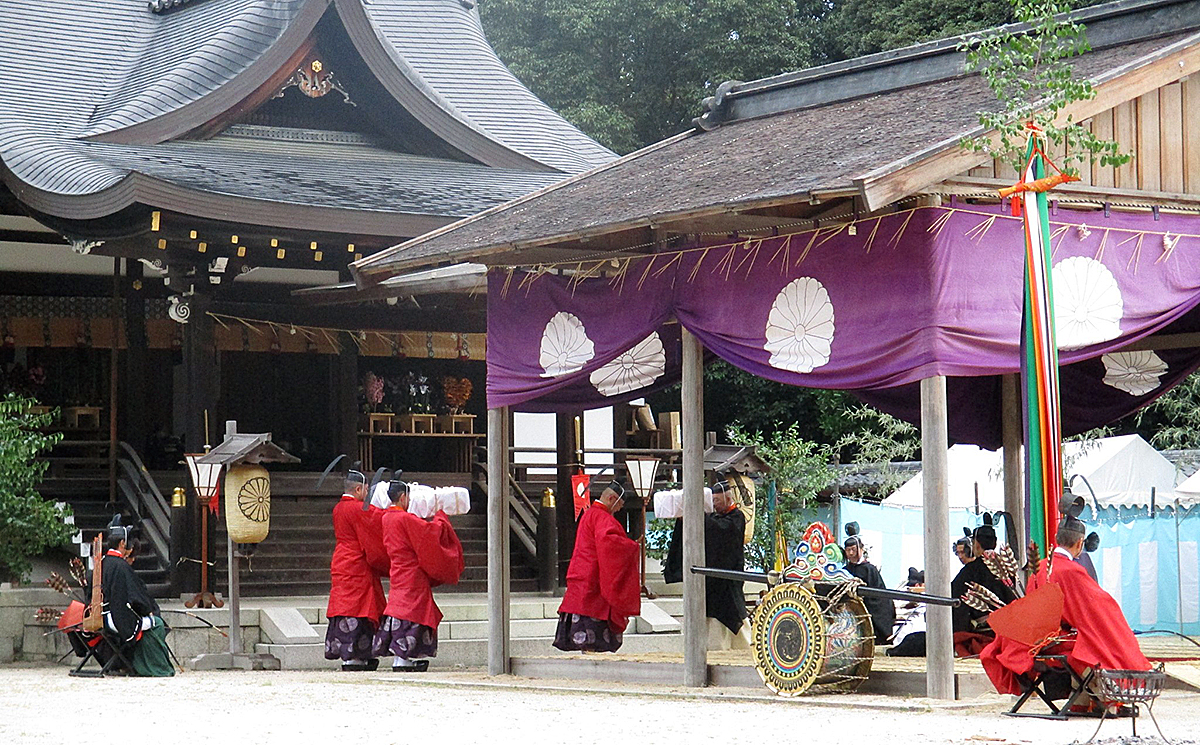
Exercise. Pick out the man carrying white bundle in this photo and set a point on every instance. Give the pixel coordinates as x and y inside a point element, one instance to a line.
<point>423,554</point>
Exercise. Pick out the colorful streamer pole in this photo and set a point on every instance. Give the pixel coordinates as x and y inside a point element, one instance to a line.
<point>1039,351</point>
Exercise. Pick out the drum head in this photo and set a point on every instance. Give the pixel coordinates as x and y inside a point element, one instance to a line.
<point>850,641</point>
<point>789,639</point>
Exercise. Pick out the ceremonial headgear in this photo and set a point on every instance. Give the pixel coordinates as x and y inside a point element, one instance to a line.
<point>616,487</point>
<point>397,488</point>
<point>720,487</point>
<point>852,536</point>
<point>915,577</point>
<point>986,534</point>
<point>1071,526</point>
<point>1092,542</point>
<point>357,477</point>
<point>117,530</point>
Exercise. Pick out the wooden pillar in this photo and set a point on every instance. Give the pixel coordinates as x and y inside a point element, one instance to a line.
<point>939,641</point>
<point>499,656</point>
<point>695,625</point>
<point>566,453</point>
<point>1014,484</point>
<point>201,389</point>
<point>133,421</point>
<point>347,399</point>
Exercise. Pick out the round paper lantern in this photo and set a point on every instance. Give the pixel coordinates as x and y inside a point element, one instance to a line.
<point>247,503</point>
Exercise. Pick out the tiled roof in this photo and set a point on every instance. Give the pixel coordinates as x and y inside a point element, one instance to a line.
<point>790,153</point>
<point>72,134</point>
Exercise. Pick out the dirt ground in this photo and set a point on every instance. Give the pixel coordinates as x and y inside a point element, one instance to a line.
<point>44,705</point>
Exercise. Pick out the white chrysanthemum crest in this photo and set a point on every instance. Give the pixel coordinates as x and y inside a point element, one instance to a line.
<point>1136,373</point>
<point>565,346</point>
<point>800,326</point>
<point>634,368</point>
<point>1087,303</point>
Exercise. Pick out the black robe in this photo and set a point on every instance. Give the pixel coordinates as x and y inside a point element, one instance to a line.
<point>881,610</point>
<point>126,598</point>
<point>975,571</point>
<point>724,548</point>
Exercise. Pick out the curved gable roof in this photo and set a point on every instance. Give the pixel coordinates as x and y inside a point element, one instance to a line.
<point>139,78</point>
<point>441,47</point>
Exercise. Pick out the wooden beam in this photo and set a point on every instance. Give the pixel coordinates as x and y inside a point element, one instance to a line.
<point>1010,426</point>
<point>1165,341</point>
<point>695,621</point>
<point>499,648</point>
<point>939,644</point>
<point>945,159</point>
<point>1166,202</point>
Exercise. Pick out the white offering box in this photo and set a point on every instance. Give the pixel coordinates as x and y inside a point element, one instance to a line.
<point>422,500</point>
<point>453,500</point>
<point>669,503</point>
<point>425,501</point>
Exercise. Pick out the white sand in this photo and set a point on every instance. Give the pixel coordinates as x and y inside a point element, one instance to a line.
<point>44,705</point>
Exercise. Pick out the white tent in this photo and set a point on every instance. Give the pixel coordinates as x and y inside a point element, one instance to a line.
<point>1120,470</point>
<point>970,468</point>
<point>1187,493</point>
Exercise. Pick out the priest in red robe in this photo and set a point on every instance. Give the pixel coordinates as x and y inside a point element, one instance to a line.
<point>356,597</point>
<point>603,586</point>
<point>1102,638</point>
<point>422,554</point>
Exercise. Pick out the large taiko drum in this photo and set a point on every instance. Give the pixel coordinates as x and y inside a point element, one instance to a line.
<point>803,639</point>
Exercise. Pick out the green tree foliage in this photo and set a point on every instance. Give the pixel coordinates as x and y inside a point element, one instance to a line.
<point>857,27</point>
<point>1173,421</point>
<point>28,524</point>
<point>800,469</point>
<point>878,440</point>
<point>1031,76</point>
<point>631,72</point>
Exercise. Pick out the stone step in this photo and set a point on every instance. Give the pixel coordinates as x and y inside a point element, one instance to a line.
<point>470,653</point>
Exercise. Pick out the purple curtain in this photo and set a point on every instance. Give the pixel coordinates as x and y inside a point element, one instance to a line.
<point>923,292</point>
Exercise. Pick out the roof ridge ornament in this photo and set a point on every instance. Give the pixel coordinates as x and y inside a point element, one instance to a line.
<point>715,108</point>
<point>315,80</point>
<point>163,6</point>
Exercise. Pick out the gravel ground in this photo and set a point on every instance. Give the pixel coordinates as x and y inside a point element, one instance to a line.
<point>44,705</point>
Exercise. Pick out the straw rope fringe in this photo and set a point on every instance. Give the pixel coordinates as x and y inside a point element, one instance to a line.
<point>818,236</point>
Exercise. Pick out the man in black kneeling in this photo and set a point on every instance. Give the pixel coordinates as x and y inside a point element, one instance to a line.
<point>132,618</point>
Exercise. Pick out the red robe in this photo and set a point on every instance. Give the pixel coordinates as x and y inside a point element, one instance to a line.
<point>423,555</point>
<point>1103,637</point>
<point>355,587</point>
<point>602,580</point>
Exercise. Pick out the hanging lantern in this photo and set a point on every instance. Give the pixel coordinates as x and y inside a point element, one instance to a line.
<point>247,503</point>
<point>641,474</point>
<point>206,479</point>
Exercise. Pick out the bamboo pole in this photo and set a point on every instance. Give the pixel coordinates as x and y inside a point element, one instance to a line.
<point>695,636</point>
<point>939,681</point>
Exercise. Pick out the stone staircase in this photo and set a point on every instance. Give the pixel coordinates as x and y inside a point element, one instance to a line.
<point>78,476</point>
<point>294,559</point>
<point>462,636</point>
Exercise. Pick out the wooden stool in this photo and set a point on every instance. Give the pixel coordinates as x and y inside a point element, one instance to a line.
<point>380,422</point>
<point>457,424</point>
<point>417,423</point>
<point>82,417</point>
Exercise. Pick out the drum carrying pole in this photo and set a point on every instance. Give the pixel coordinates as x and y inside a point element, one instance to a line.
<point>772,579</point>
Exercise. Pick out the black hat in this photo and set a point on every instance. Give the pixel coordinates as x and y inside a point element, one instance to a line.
<point>1092,542</point>
<point>117,530</point>
<point>1071,525</point>
<point>356,476</point>
<point>397,487</point>
<point>852,536</point>
<point>720,487</point>
<point>915,577</point>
